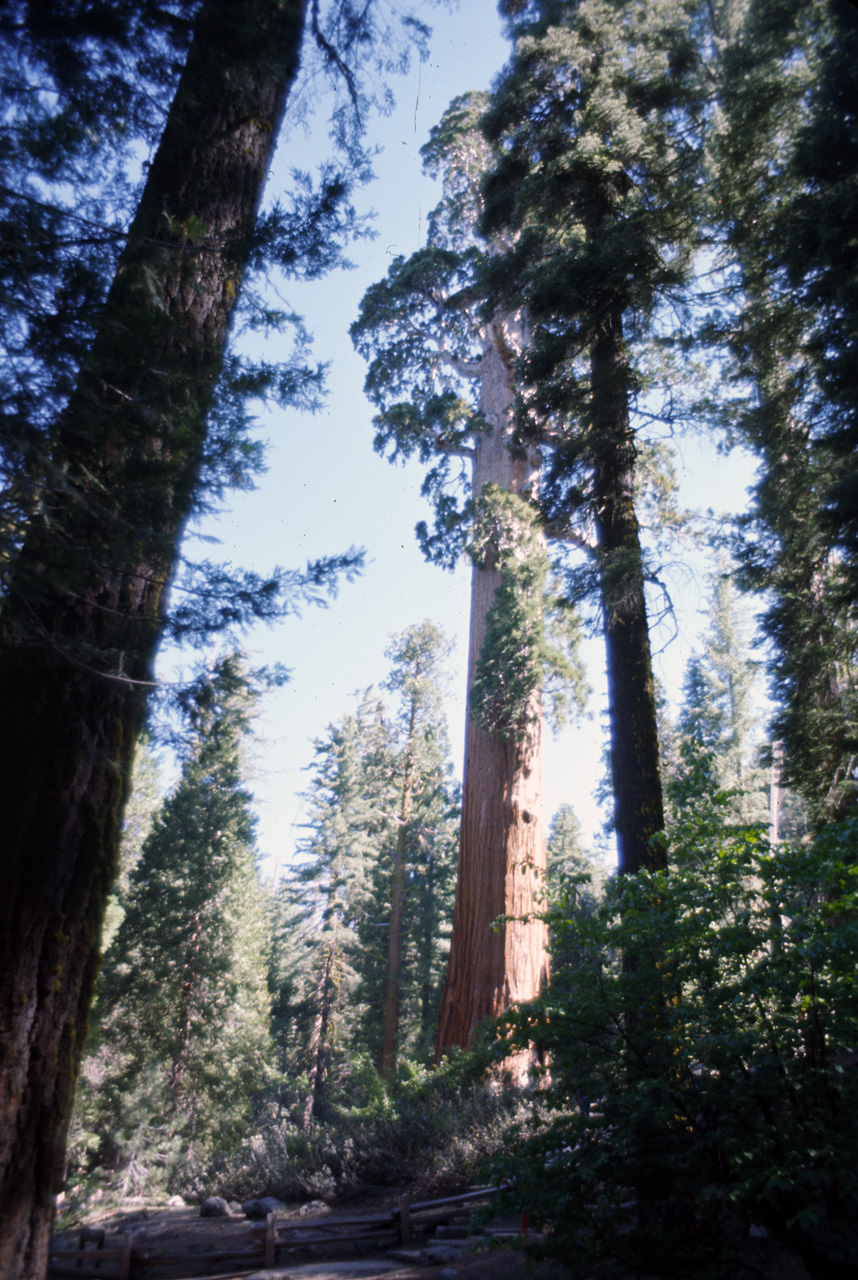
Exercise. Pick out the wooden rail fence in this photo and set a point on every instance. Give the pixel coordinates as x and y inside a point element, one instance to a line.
<point>132,1255</point>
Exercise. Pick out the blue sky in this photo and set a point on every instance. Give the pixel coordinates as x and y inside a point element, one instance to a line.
<point>326,490</point>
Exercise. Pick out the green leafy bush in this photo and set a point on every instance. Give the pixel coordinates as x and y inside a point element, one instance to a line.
<point>703,1058</point>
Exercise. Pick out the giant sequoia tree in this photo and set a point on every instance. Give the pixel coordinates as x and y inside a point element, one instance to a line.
<point>443,376</point>
<point>98,489</point>
<point>593,124</point>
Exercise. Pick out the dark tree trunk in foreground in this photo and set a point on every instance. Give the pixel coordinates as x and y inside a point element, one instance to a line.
<point>638,804</point>
<point>502,863</point>
<point>83,616</point>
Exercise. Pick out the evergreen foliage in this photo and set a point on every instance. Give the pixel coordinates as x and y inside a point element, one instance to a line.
<point>380,812</point>
<point>787,77</point>
<point>143,804</point>
<point>575,886</point>
<point>81,89</point>
<point>716,733</point>
<point>595,130</point>
<point>422,330</point>
<point>741,1108</point>
<point>181,1040</point>
<point>569,863</point>
<point>417,880</point>
<point>531,643</point>
<point>595,123</point>
<point>350,813</point>
<point>700,1023</point>
<point>442,371</point>
<point>104,83</point>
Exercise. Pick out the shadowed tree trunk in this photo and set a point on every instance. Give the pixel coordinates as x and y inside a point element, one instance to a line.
<point>84,611</point>
<point>501,845</point>
<point>318,1074</point>
<point>638,804</point>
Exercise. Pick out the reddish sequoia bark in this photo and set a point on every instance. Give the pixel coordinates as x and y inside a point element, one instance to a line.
<point>83,614</point>
<point>501,844</point>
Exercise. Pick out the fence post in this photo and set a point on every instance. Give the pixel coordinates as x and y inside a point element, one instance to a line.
<point>90,1235</point>
<point>270,1240</point>
<point>405,1219</point>
<point>125,1256</point>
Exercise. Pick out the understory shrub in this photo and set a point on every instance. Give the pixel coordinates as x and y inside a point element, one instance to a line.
<point>435,1130</point>
<point>703,1051</point>
<point>432,1129</point>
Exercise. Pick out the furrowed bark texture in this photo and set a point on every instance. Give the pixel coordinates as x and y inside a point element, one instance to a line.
<point>83,615</point>
<point>638,804</point>
<point>501,843</point>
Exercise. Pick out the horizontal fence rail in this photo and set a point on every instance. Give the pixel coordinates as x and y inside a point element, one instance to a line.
<point>95,1259</point>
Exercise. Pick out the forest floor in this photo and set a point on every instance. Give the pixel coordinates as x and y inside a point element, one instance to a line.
<point>177,1231</point>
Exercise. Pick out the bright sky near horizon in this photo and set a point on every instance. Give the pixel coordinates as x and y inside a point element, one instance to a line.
<point>326,490</point>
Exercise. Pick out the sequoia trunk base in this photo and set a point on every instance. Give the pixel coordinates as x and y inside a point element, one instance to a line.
<point>498,953</point>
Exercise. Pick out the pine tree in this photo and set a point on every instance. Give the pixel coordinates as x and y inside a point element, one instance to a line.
<point>431,894</point>
<point>786,76</point>
<point>720,710</point>
<point>576,885</point>
<point>101,474</point>
<point>567,856</point>
<point>143,803</point>
<point>290,1010</point>
<point>594,126</point>
<point>371,892</point>
<point>182,1035</point>
<point>351,814</point>
<point>422,857</point>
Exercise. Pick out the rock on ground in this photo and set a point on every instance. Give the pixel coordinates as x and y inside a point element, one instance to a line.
<point>215,1207</point>
<point>261,1207</point>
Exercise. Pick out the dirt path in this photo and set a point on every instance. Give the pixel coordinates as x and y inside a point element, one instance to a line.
<point>499,1264</point>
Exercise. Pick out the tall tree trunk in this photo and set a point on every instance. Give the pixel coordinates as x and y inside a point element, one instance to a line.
<point>501,843</point>
<point>636,777</point>
<point>635,769</point>
<point>430,934</point>
<point>394,945</point>
<point>84,612</point>
<point>318,1075</point>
